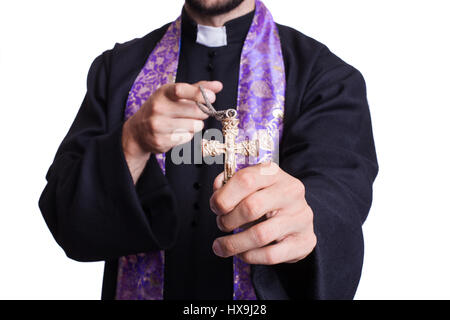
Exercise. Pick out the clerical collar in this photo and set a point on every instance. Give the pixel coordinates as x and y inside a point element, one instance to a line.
<point>234,31</point>
<point>212,36</point>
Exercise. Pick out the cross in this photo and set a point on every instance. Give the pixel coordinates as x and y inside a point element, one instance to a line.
<point>230,131</point>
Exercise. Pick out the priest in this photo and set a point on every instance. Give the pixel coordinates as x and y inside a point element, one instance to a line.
<point>286,225</point>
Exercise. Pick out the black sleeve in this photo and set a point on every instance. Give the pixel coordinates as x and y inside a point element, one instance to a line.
<point>330,148</point>
<point>90,203</point>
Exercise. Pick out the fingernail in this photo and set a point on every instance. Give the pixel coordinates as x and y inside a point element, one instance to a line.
<point>217,249</point>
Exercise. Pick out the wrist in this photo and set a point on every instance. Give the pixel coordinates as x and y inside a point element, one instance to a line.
<point>130,145</point>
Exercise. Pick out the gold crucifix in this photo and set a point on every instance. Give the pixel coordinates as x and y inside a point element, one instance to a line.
<point>230,131</point>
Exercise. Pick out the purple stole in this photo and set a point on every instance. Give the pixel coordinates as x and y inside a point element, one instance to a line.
<point>260,108</point>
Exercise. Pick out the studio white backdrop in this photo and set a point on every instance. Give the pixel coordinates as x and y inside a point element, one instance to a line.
<point>401,47</point>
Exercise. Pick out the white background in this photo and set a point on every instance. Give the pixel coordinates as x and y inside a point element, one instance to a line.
<point>401,47</point>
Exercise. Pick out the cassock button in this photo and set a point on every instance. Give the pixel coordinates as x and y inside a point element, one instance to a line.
<point>196,206</point>
<point>212,54</point>
<point>210,67</point>
<point>197,185</point>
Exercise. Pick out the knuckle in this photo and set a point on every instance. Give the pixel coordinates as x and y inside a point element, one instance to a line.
<point>156,108</point>
<point>229,247</point>
<point>251,209</point>
<point>271,257</point>
<point>246,179</point>
<point>158,143</point>
<point>225,224</point>
<point>220,204</point>
<point>309,216</point>
<point>306,245</point>
<point>299,186</point>
<point>152,124</point>
<point>260,235</point>
<point>163,89</point>
<point>178,89</point>
<point>313,241</point>
<point>246,257</point>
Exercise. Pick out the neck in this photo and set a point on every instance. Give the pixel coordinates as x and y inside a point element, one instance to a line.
<point>217,21</point>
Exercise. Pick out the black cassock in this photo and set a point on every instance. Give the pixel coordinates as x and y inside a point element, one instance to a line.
<point>95,212</point>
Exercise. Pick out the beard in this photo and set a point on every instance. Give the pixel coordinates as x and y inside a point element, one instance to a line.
<point>215,9</point>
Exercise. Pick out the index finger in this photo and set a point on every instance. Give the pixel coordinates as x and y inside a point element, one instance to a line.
<point>192,92</point>
<point>218,182</point>
<point>240,186</point>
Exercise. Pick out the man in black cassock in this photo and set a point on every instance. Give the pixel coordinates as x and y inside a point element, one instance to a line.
<point>106,196</point>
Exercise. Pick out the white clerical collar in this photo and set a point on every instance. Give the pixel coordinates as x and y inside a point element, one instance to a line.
<point>211,36</point>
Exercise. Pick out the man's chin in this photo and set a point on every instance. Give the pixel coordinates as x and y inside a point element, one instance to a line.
<point>214,9</point>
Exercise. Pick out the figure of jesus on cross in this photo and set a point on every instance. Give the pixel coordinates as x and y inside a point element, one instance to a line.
<point>230,130</point>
